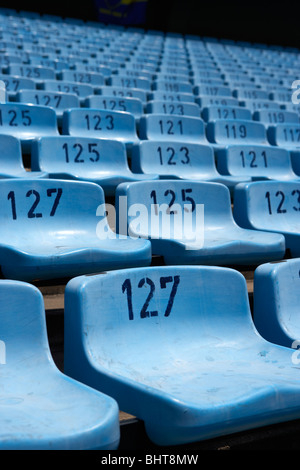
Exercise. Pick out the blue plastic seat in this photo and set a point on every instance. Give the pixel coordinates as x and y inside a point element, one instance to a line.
<point>222,132</point>
<point>191,222</point>
<point>121,80</point>
<point>171,107</point>
<point>177,347</point>
<point>211,113</point>
<point>172,86</point>
<point>159,95</point>
<point>255,105</point>
<point>94,79</point>
<point>259,162</point>
<point>123,92</point>
<point>58,228</point>
<point>41,408</point>
<point>99,123</point>
<point>11,160</point>
<point>58,101</point>
<point>205,101</point>
<point>179,160</point>
<point>100,161</point>
<point>82,90</point>
<point>251,93</point>
<point>27,122</point>
<point>271,206</point>
<point>172,127</point>
<point>275,302</point>
<point>13,84</point>
<point>276,116</point>
<point>212,90</point>
<point>285,136</point>
<point>36,73</point>
<point>130,105</point>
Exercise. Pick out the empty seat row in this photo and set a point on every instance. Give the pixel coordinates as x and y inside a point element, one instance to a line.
<point>28,122</point>
<point>180,370</point>
<point>56,228</point>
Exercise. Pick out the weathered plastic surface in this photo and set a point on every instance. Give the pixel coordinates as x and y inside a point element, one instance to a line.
<point>177,347</point>
<point>40,407</point>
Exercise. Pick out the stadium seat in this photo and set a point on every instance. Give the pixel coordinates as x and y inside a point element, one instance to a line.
<point>222,132</point>
<point>276,301</point>
<point>36,73</point>
<point>128,104</point>
<point>58,101</point>
<point>11,160</point>
<point>56,228</point>
<point>41,408</point>
<point>174,127</point>
<point>123,92</point>
<point>190,223</point>
<point>99,123</point>
<point>272,206</point>
<point>158,95</point>
<point>94,79</point>
<point>82,90</point>
<point>171,107</point>
<point>285,136</point>
<point>14,83</point>
<point>210,113</point>
<point>259,162</point>
<point>179,160</point>
<point>275,116</point>
<point>130,82</point>
<point>177,347</point>
<point>100,161</point>
<point>27,122</point>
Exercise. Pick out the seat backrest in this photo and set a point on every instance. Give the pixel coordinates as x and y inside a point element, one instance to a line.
<point>130,105</point>
<point>27,122</point>
<point>34,72</point>
<point>174,159</point>
<point>58,101</point>
<point>171,208</point>
<point>33,209</point>
<point>14,83</point>
<point>255,161</point>
<point>210,113</point>
<point>276,300</point>
<point>285,135</point>
<point>171,107</point>
<point>78,155</point>
<point>11,161</point>
<point>82,90</point>
<point>276,116</point>
<point>100,123</point>
<point>230,131</point>
<point>174,127</point>
<point>267,205</point>
<point>22,331</point>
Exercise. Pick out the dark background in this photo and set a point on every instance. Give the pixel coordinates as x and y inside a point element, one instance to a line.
<point>250,20</point>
